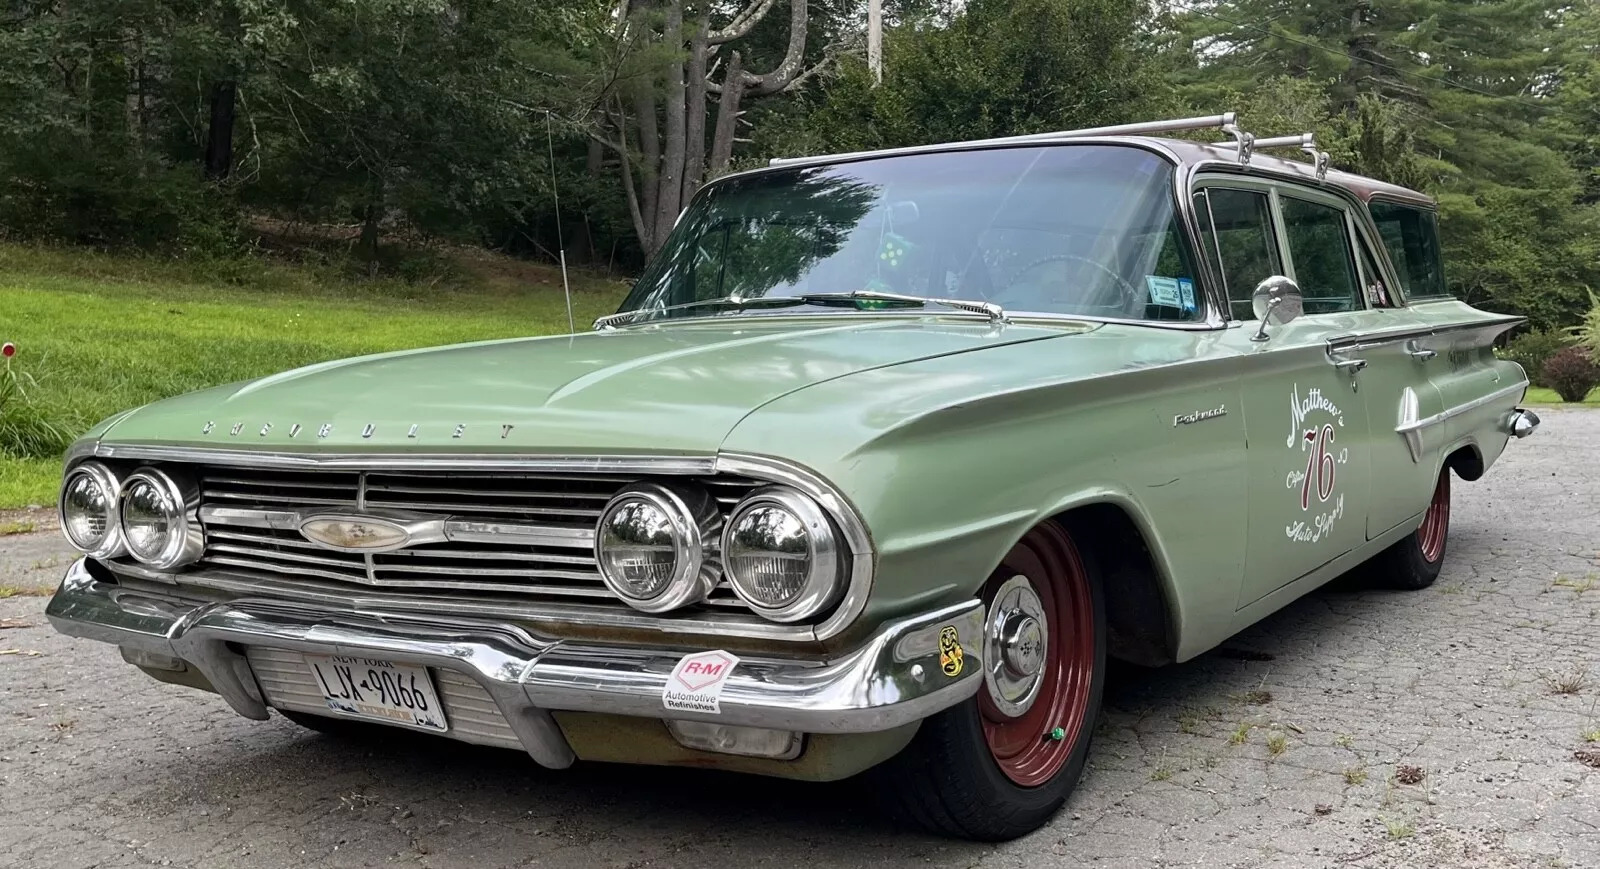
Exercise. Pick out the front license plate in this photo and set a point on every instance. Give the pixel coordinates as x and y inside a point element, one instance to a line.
<point>378,691</point>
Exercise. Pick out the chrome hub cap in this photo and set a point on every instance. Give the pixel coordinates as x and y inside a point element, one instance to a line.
<point>1015,641</point>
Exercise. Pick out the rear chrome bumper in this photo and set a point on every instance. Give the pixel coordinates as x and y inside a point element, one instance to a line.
<point>1521,423</point>
<point>892,679</point>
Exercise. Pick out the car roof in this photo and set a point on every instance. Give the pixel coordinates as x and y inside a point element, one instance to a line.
<point>1184,153</point>
<point>1203,155</point>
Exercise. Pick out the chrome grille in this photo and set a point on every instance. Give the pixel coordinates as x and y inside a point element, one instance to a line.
<point>559,511</point>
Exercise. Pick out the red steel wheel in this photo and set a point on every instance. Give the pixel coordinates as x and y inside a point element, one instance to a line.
<point>1040,657</point>
<point>1436,522</point>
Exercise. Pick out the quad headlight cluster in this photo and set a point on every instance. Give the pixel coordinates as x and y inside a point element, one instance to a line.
<point>661,548</point>
<point>148,514</point>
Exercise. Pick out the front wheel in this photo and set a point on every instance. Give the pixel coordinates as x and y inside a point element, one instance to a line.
<point>1001,764</point>
<point>1413,563</point>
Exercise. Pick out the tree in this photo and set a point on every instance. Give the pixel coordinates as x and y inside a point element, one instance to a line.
<point>995,68</point>
<point>1460,99</point>
<point>668,60</point>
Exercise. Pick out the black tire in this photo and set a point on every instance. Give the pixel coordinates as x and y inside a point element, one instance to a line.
<point>1406,565</point>
<point>328,725</point>
<point>948,782</point>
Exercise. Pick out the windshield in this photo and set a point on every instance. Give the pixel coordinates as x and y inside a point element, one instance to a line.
<point>1074,230</point>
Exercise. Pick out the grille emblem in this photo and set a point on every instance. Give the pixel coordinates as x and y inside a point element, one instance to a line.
<point>355,533</point>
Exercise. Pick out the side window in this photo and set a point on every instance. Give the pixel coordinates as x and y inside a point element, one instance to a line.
<point>1320,247</point>
<point>1411,236</point>
<point>1236,229</point>
<point>1378,295</point>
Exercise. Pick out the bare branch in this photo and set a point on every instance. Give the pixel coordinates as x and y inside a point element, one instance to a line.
<point>743,23</point>
<point>781,78</point>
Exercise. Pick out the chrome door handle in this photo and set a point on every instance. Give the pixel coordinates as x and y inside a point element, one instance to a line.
<point>1350,365</point>
<point>1420,353</point>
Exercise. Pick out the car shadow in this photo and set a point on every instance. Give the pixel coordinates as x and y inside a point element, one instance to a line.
<point>436,783</point>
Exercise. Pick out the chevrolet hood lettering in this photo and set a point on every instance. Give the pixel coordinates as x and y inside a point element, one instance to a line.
<point>674,389</point>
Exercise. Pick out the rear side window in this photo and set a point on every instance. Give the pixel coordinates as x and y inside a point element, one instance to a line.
<point>1237,235</point>
<point>1411,235</point>
<point>1320,247</point>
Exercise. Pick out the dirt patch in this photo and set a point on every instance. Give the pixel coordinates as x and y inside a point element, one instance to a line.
<point>27,520</point>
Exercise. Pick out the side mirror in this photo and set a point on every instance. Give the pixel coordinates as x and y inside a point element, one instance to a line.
<point>1277,300</point>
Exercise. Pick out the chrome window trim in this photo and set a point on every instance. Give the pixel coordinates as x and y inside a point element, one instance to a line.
<point>862,558</point>
<point>1015,317</point>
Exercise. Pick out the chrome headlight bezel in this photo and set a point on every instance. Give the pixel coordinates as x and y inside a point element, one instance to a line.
<point>111,546</point>
<point>692,519</point>
<point>185,541</point>
<point>826,574</point>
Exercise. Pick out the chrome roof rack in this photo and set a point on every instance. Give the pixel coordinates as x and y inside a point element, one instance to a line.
<point>1227,122</point>
<point>1306,142</point>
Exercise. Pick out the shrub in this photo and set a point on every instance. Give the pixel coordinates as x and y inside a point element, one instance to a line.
<point>1532,349</point>
<point>1572,373</point>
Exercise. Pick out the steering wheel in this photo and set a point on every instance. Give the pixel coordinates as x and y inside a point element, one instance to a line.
<point>1131,293</point>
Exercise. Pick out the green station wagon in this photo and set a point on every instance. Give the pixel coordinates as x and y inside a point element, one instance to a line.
<point>883,458</point>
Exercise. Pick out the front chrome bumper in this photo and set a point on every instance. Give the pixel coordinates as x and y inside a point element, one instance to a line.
<point>892,679</point>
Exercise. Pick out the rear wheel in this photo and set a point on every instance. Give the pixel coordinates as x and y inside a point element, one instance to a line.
<point>1001,764</point>
<point>1413,563</point>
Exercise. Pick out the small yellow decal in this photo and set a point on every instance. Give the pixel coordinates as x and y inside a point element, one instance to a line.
<point>950,654</point>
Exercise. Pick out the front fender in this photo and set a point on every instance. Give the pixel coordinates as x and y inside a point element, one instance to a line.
<point>950,461</point>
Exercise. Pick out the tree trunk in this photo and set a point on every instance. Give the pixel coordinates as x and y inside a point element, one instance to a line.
<point>373,213</point>
<point>644,109</point>
<point>694,160</point>
<point>219,135</point>
<point>727,115</point>
<point>673,148</point>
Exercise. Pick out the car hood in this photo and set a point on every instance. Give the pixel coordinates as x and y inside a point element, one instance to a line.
<point>670,389</point>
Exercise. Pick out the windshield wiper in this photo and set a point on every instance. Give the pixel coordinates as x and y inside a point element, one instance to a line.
<point>734,302</point>
<point>995,313</point>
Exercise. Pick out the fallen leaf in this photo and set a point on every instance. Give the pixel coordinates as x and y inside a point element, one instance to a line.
<point>1588,757</point>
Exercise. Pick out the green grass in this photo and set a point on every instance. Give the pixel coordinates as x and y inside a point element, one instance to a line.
<point>1540,395</point>
<point>102,333</point>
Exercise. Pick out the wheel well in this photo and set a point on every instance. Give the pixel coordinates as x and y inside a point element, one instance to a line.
<point>1467,462</point>
<point>1138,622</point>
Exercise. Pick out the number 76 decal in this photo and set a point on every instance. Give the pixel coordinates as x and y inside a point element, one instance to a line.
<point>1321,465</point>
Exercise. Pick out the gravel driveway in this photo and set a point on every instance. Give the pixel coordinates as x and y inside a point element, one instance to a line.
<point>1354,729</point>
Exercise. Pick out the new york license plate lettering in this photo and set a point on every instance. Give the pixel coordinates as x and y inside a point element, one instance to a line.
<point>378,690</point>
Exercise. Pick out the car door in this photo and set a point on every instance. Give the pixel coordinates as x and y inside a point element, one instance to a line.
<point>1396,350</point>
<point>1307,451</point>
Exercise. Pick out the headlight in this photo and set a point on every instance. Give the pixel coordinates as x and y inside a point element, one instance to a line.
<point>159,522</point>
<point>782,555</point>
<point>650,547</point>
<point>88,510</point>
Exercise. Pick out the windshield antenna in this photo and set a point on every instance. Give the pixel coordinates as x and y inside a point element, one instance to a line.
<point>555,191</point>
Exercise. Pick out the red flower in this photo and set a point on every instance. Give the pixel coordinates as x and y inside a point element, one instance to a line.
<point>8,349</point>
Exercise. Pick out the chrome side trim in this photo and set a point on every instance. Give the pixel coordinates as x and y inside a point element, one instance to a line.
<point>617,464</point>
<point>1357,343</point>
<point>856,535</point>
<point>1412,430</point>
<point>892,678</point>
<point>451,529</point>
